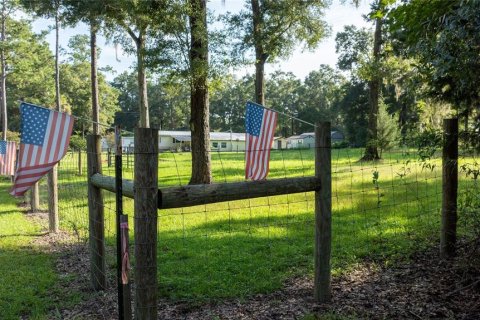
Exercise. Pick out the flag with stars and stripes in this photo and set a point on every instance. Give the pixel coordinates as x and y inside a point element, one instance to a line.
<point>45,136</point>
<point>260,124</point>
<point>8,154</point>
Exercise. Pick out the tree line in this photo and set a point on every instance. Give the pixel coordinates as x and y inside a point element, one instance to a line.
<point>415,66</point>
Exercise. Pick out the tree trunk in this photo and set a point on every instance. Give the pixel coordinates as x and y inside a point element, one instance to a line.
<point>93,76</point>
<point>371,150</point>
<point>199,104</point>
<point>3,76</point>
<point>260,55</point>
<point>52,176</point>
<point>142,81</point>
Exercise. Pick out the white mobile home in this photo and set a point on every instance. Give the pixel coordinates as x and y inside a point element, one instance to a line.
<point>219,141</point>
<point>307,140</point>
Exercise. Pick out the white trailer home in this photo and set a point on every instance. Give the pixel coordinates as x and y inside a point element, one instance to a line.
<point>307,140</point>
<point>219,141</point>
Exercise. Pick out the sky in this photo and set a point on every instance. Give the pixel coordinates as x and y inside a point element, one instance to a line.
<point>300,63</point>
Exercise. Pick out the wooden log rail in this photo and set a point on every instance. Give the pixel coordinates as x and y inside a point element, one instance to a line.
<point>193,195</point>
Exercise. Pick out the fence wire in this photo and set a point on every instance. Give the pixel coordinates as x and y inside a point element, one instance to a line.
<point>235,249</point>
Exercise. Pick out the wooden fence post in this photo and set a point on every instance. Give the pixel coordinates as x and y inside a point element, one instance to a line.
<point>52,183</point>
<point>80,162</point>
<point>449,188</point>
<point>323,213</point>
<point>34,197</point>
<point>96,215</point>
<point>146,202</point>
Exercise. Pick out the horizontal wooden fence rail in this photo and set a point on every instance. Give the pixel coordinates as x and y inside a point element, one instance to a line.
<point>193,195</point>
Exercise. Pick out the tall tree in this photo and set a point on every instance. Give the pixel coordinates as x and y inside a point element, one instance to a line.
<point>444,37</point>
<point>76,78</point>
<point>29,64</point>
<point>199,103</point>
<point>374,85</point>
<point>49,9</point>
<point>273,29</point>
<point>145,22</point>
<point>7,9</point>
<point>92,13</point>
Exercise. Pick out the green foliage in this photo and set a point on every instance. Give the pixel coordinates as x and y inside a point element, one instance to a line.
<point>76,87</point>
<point>340,145</point>
<point>29,69</point>
<point>169,100</point>
<point>78,142</point>
<point>353,108</point>
<point>388,133</point>
<point>319,96</point>
<point>353,46</point>
<point>284,25</point>
<point>13,136</point>
<point>469,201</point>
<point>428,142</point>
<point>444,37</point>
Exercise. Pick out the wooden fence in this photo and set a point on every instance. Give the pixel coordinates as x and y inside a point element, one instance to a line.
<point>149,198</point>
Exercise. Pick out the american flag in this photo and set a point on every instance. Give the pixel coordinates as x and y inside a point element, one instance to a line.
<point>8,154</point>
<point>45,138</point>
<point>260,126</point>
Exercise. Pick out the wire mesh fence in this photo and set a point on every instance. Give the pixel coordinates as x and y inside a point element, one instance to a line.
<point>234,249</point>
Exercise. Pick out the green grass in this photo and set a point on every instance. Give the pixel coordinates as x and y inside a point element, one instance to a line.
<point>239,248</point>
<point>28,276</point>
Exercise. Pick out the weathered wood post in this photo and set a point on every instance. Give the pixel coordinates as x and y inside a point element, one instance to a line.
<point>96,215</point>
<point>109,158</point>
<point>323,213</point>
<point>80,171</point>
<point>52,184</point>
<point>146,202</point>
<point>35,197</point>
<point>449,188</point>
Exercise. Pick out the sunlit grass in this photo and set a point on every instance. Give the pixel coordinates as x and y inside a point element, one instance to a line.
<point>238,248</point>
<point>28,285</point>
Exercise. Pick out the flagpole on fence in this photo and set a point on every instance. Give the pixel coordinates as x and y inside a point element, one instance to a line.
<point>285,114</point>
<point>123,286</point>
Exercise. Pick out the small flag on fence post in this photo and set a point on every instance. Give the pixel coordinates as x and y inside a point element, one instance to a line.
<point>8,154</point>
<point>45,136</point>
<point>260,124</point>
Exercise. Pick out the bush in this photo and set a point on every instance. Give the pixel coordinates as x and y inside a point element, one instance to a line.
<point>340,145</point>
<point>78,143</point>
<point>13,136</point>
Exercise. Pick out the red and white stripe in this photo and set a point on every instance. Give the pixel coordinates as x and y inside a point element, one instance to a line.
<point>7,161</point>
<point>35,161</point>
<point>257,155</point>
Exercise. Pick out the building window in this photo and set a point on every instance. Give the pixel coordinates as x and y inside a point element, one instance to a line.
<point>215,144</point>
<point>224,144</point>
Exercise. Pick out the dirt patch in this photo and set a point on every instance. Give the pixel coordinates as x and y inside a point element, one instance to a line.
<point>425,287</point>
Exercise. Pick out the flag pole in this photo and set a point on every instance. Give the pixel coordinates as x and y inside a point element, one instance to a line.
<point>283,113</point>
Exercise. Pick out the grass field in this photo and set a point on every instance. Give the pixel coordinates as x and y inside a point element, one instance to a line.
<point>238,248</point>
<point>383,210</point>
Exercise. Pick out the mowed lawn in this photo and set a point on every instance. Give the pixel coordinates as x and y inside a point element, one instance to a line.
<point>382,210</point>
<point>238,248</point>
<point>29,285</point>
